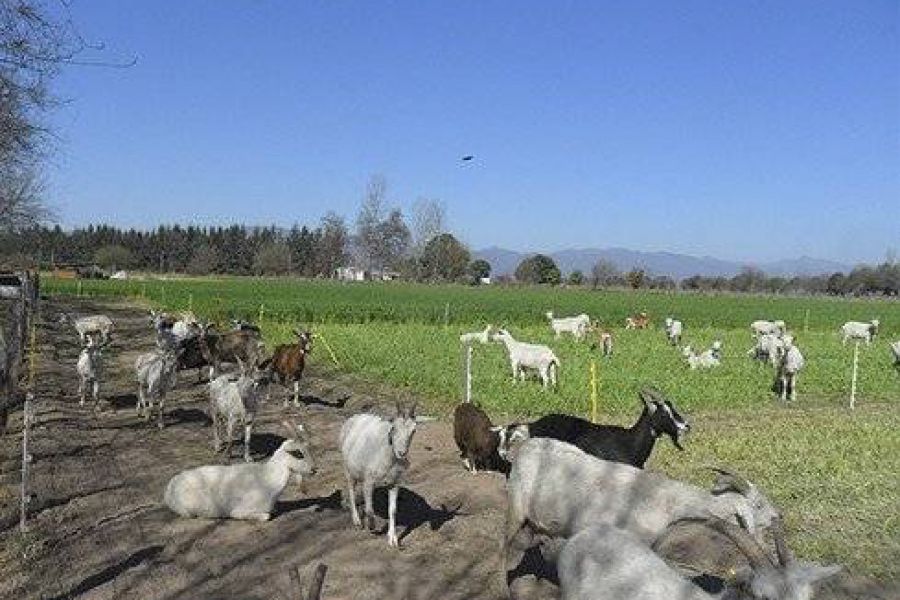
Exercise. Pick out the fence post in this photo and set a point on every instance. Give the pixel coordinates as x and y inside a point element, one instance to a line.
<point>143,290</point>
<point>468,372</point>
<point>262,312</point>
<point>80,288</point>
<point>191,302</point>
<point>26,460</point>
<point>447,314</point>
<point>853,379</point>
<point>806,321</point>
<point>593,391</point>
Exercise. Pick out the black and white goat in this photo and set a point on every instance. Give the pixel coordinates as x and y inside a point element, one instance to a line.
<point>629,445</point>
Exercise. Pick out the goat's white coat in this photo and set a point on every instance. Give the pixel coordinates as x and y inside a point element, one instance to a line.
<point>529,356</point>
<point>674,330</point>
<point>577,325</point>
<point>157,373</point>
<point>242,491</point>
<point>94,324</point>
<point>761,327</point>
<point>375,452</point>
<point>482,337</point>
<point>857,330</point>
<point>560,490</point>
<point>232,401</point>
<point>89,367</point>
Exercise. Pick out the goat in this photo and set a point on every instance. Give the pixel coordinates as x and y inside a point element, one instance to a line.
<point>576,325</point>
<point>791,363</point>
<point>604,562</point>
<point>241,491</point>
<point>232,400</point>
<point>761,327</point>
<point>674,329</point>
<point>529,356</point>
<point>638,321</point>
<point>769,347</point>
<point>600,491</point>
<point>604,339</point>
<point>89,367</point>
<point>475,437</point>
<point>895,350</point>
<point>706,359</point>
<point>632,445</point>
<point>482,337</point>
<point>156,375</point>
<point>288,361</point>
<point>859,331</point>
<point>94,324</point>
<point>376,452</point>
<point>244,346</point>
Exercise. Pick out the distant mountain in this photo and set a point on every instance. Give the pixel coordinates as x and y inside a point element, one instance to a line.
<point>504,262</point>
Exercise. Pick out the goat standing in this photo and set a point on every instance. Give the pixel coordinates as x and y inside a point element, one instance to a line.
<point>375,452</point>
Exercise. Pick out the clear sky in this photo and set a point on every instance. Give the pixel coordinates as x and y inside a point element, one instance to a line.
<point>743,130</point>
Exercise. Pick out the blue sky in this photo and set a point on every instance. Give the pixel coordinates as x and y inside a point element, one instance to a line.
<point>742,130</point>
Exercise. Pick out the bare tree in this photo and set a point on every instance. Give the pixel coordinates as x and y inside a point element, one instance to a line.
<point>21,199</point>
<point>367,243</point>
<point>428,216</point>
<point>331,252</point>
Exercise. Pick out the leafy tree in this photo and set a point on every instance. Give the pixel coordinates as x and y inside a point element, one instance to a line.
<point>479,269</point>
<point>636,278</point>
<point>444,259</point>
<point>393,240</point>
<point>114,257</point>
<point>334,242</point>
<point>576,278</point>
<point>538,269</point>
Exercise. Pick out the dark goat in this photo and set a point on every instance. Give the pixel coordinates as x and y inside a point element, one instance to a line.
<point>288,361</point>
<point>194,355</point>
<point>631,445</point>
<point>475,438</point>
<point>239,347</point>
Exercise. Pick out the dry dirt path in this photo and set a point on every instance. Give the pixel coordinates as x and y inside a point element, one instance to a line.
<point>99,531</point>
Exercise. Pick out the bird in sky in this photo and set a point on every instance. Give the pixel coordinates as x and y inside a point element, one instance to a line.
<point>468,157</point>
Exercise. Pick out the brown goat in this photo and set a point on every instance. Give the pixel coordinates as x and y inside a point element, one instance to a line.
<point>288,361</point>
<point>638,321</point>
<point>239,347</point>
<point>477,442</point>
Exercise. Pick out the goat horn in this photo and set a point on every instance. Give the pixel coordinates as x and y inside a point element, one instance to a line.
<point>785,556</point>
<point>744,541</point>
<point>727,481</point>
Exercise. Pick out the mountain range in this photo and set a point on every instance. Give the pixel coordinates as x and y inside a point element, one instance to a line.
<point>678,266</point>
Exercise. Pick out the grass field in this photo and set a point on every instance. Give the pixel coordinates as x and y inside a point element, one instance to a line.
<point>835,472</point>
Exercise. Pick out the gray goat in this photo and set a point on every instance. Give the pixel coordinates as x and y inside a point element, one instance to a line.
<point>599,491</point>
<point>235,399</point>
<point>604,562</point>
<point>157,373</point>
<point>375,452</point>
<point>89,367</point>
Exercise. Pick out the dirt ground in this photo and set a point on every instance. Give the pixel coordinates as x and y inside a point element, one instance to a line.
<point>98,528</point>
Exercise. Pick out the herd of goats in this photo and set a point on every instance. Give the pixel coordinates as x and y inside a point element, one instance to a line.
<point>616,531</point>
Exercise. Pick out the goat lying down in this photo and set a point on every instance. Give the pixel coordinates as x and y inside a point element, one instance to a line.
<point>604,562</point>
<point>241,491</point>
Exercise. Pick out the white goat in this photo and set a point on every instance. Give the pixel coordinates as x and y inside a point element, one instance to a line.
<point>761,327</point>
<point>674,329</point>
<point>604,562</point>
<point>577,325</point>
<point>94,324</point>
<point>232,400</point>
<point>791,363</point>
<point>859,331</point>
<point>157,373</point>
<point>89,367</point>
<point>242,491</point>
<point>524,356</point>
<point>706,359</point>
<point>770,347</point>
<point>482,337</point>
<point>375,452</point>
<point>556,489</point>
<point>895,350</point>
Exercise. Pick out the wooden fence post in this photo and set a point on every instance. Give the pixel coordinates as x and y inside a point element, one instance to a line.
<point>806,321</point>
<point>594,414</point>
<point>447,314</point>
<point>468,372</point>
